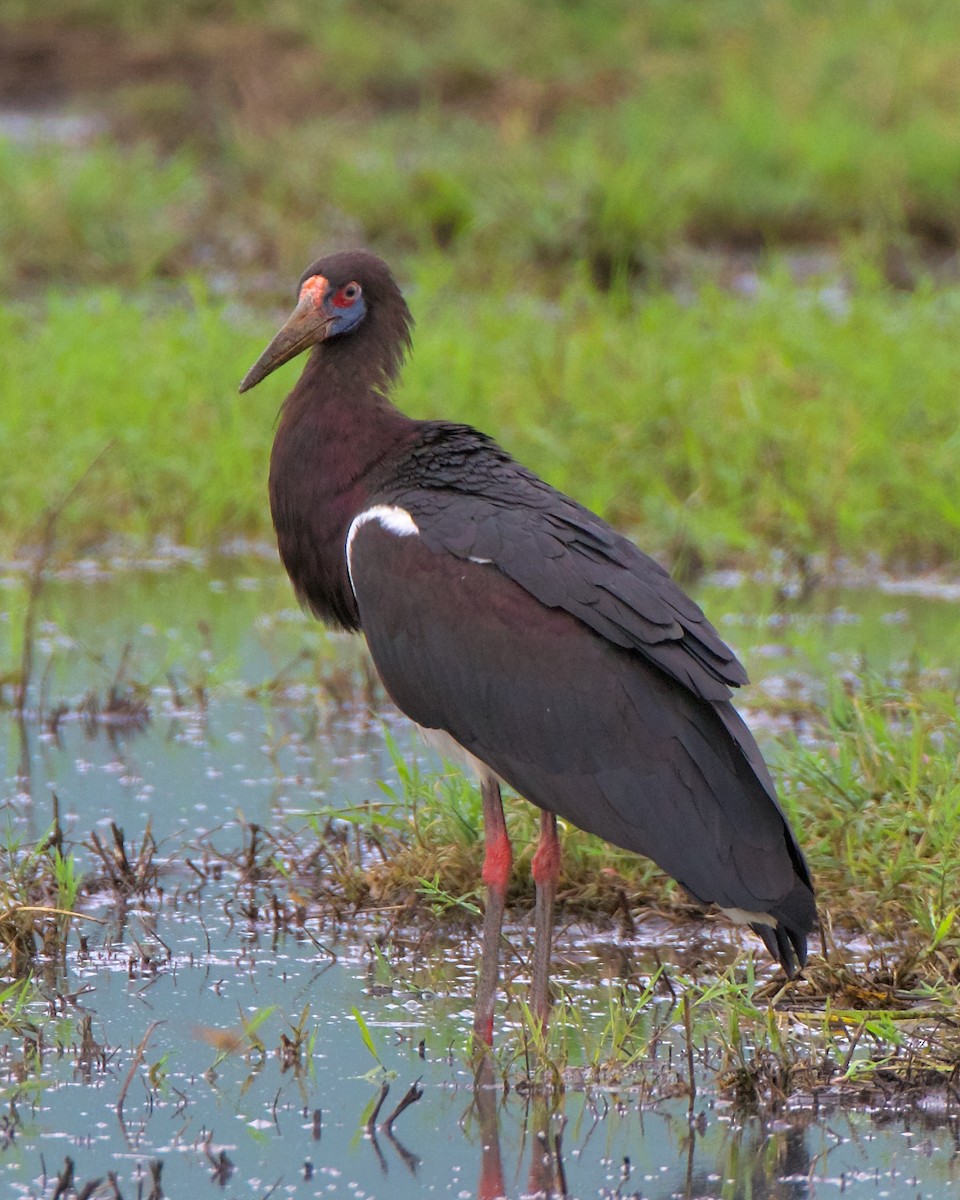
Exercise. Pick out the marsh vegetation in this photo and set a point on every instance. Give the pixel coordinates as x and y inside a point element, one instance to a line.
<point>695,264</point>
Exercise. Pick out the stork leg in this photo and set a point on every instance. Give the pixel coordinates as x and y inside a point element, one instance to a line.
<point>498,859</point>
<point>546,870</point>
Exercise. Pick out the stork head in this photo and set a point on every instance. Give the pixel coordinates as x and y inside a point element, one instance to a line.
<point>340,297</point>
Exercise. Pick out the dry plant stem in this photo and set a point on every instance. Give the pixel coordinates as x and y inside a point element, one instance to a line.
<point>50,911</point>
<point>688,1036</point>
<point>48,539</point>
<point>156,1169</point>
<point>411,1096</point>
<point>33,603</point>
<point>372,1123</point>
<point>558,1155</point>
<point>854,1042</point>
<point>137,1060</point>
<point>496,874</point>
<point>64,1179</point>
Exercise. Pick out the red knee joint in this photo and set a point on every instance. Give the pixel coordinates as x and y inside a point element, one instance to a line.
<point>497,863</point>
<point>546,862</point>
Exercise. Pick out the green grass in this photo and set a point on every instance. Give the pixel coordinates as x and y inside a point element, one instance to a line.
<point>552,183</point>
<point>534,136</point>
<point>724,427</point>
<point>96,214</point>
<point>38,897</point>
<point>878,801</point>
<point>873,792</point>
<point>546,178</point>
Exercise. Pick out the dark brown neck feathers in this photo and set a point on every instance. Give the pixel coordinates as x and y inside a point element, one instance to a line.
<point>337,437</point>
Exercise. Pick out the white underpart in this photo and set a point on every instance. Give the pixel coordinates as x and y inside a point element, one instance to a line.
<point>393,518</point>
<point>449,748</point>
<point>481,561</point>
<point>740,916</point>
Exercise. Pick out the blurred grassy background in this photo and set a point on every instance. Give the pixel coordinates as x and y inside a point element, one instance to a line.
<point>696,263</point>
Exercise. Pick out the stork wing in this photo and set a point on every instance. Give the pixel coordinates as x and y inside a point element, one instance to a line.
<point>575,722</point>
<point>485,506</point>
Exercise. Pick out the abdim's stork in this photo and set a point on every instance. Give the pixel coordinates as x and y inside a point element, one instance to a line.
<point>522,634</point>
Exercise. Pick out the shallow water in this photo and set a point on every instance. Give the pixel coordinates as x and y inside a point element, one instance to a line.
<point>303,1133</point>
<point>241,725</point>
<point>304,1136</point>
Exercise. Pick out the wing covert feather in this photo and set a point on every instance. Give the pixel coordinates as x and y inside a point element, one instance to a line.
<point>575,723</point>
<point>478,503</point>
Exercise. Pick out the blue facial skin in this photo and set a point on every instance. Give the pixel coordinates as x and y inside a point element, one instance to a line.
<point>345,319</point>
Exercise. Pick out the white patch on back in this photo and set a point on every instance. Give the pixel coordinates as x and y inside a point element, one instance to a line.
<point>393,518</point>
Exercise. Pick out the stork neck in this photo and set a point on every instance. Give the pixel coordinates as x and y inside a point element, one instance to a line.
<point>340,417</point>
<point>337,440</point>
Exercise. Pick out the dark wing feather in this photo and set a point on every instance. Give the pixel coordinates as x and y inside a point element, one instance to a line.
<point>579,724</point>
<point>472,500</point>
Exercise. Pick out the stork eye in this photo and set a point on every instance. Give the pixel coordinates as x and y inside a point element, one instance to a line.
<point>347,296</point>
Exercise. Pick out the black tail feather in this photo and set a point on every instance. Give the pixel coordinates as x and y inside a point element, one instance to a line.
<point>787,946</point>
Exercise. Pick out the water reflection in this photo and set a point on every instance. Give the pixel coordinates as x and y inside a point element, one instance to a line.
<point>750,1160</point>
<point>171,1034</point>
<point>244,732</point>
<point>574,1145</point>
